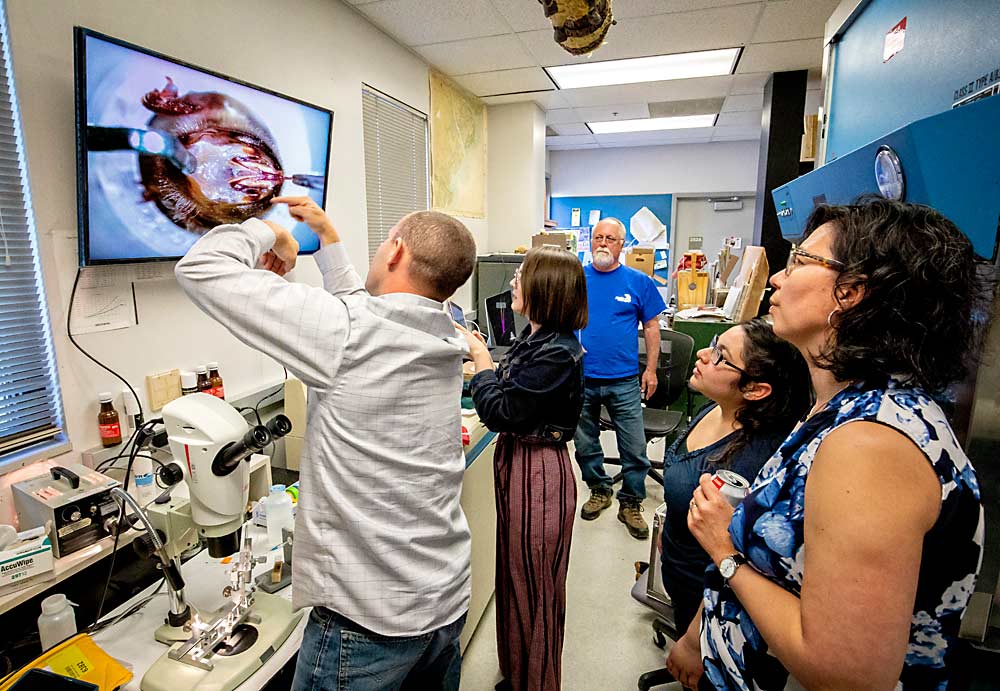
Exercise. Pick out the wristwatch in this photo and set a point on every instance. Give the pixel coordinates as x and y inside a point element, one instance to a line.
<point>729,565</point>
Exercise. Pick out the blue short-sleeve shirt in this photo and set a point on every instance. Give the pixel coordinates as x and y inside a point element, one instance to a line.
<point>618,301</point>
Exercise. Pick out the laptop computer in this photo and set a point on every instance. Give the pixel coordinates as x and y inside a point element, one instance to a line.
<point>500,326</point>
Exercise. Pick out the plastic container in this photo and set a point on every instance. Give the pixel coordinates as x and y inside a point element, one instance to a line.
<point>189,383</point>
<point>107,421</point>
<point>144,490</point>
<point>215,379</point>
<point>58,620</point>
<point>279,514</point>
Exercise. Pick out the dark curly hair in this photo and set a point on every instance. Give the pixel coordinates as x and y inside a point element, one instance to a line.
<point>771,360</point>
<point>926,297</point>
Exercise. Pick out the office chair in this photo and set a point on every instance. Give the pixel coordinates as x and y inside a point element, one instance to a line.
<point>673,370</point>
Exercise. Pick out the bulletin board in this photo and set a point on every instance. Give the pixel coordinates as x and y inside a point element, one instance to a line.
<point>622,207</point>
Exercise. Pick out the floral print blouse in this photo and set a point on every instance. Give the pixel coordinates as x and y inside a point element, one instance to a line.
<point>768,528</point>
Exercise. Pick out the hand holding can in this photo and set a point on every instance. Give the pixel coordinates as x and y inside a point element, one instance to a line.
<point>733,486</point>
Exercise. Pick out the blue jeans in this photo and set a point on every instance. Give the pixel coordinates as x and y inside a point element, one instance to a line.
<point>339,655</point>
<point>623,401</point>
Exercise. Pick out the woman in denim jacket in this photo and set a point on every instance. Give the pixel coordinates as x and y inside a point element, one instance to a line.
<point>533,399</point>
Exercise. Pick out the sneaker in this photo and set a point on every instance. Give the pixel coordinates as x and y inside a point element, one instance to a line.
<point>630,513</point>
<point>600,499</point>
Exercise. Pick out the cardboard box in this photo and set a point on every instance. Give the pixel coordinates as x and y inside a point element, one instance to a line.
<point>641,258</point>
<point>25,564</point>
<point>562,240</point>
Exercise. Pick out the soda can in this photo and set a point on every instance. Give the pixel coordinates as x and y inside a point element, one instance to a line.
<point>733,486</point>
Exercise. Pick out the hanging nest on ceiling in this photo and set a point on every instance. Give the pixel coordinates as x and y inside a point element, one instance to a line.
<point>579,25</point>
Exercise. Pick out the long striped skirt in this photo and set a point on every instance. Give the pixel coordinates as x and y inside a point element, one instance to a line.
<point>536,505</point>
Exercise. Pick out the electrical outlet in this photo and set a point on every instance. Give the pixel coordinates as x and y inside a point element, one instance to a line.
<point>163,388</point>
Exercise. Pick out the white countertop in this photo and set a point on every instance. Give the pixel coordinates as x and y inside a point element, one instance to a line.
<point>131,641</point>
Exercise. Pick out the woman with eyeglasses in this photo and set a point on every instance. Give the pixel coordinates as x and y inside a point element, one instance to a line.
<point>850,563</point>
<point>533,399</point>
<point>758,386</point>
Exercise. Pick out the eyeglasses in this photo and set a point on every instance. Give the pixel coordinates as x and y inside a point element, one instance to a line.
<point>605,239</point>
<point>717,358</point>
<point>825,261</point>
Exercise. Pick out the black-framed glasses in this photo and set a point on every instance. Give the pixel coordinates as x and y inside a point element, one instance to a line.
<point>834,264</point>
<point>717,357</point>
<point>606,239</point>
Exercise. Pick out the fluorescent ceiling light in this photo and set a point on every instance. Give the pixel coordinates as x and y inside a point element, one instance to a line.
<point>649,124</point>
<point>704,63</point>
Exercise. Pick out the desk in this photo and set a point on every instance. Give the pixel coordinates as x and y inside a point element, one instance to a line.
<point>66,567</point>
<point>132,642</point>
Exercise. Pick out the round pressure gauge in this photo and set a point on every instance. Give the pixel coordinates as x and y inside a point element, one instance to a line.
<point>889,174</point>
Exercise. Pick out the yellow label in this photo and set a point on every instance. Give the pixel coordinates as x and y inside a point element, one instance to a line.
<point>71,662</point>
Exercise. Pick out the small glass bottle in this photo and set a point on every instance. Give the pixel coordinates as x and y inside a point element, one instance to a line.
<point>215,379</point>
<point>203,383</point>
<point>189,383</point>
<point>107,421</point>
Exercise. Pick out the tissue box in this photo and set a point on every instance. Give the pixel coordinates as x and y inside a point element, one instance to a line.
<point>26,564</point>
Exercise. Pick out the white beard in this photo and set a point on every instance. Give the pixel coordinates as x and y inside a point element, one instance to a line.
<point>603,260</point>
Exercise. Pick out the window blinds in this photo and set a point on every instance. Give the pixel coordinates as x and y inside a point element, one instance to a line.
<point>30,408</point>
<point>395,163</point>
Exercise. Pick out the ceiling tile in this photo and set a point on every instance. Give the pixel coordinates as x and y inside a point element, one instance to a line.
<point>561,115</point>
<point>731,134</point>
<point>524,15</point>
<point>786,20</point>
<point>569,147</point>
<point>419,22</point>
<point>749,83</point>
<point>779,57</point>
<point>643,8</point>
<point>477,55</point>
<point>506,81</point>
<point>648,92</point>
<point>570,140</point>
<point>741,102</point>
<point>628,111</point>
<point>546,100</point>
<point>664,33</point>
<point>744,118</point>
<point>571,128</point>
<point>692,136</point>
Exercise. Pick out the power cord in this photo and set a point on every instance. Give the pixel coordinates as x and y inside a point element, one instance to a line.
<point>69,316</point>
<point>139,439</point>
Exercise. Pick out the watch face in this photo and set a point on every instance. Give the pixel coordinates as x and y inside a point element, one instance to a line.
<point>889,174</point>
<point>727,567</point>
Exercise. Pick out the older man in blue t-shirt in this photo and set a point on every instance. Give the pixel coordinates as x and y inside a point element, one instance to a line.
<point>619,298</point>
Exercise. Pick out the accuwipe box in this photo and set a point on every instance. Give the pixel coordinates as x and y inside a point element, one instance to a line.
<point>26,564</point>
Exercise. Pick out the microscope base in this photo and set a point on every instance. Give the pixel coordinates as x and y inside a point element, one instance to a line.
<point>168,635</point>
<point>277,620</point>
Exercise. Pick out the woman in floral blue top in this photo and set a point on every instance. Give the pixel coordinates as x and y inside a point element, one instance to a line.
<point>851,562</point>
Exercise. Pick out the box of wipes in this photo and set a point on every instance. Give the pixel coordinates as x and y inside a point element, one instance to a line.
<point>26,563</point>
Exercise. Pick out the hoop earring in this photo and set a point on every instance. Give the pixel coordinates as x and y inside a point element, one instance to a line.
<point>829,318</point>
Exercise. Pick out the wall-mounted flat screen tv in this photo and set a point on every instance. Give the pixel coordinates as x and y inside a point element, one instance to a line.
<point>167,151</point>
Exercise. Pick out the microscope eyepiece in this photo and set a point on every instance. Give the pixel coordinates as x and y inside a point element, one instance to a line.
<point>231,455</point>
<point>279,426</point>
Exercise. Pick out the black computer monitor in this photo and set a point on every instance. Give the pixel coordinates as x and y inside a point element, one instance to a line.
<point>500,319</point>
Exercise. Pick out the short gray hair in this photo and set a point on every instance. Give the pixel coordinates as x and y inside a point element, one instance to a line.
<point>613,221</point>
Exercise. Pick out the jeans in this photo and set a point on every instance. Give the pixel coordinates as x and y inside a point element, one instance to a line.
<point>339,655</point>
<point>623,401</point>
